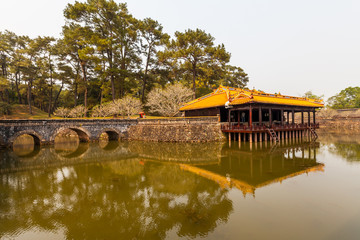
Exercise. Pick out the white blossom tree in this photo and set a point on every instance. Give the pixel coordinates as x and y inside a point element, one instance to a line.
<point>167,101</point>
<point>62,112</point>
<point>127,106</point>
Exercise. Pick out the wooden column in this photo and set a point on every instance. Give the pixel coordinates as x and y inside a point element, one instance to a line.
<point>270,117</point>
<point>293,116</point>
<point>260,116</point>
<point>250,137</point>
<point>314,116</point>
<point>287,119</point>
<point>256,139</point>
<point>302,117</point>
<point>309,118</point>
<point>282,117</point>
<point>250,117</point>
<point>260,135</point>
<point>229,120</point>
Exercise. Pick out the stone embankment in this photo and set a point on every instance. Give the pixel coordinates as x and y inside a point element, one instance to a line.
<point>197,129</point>
<point>339,121</point>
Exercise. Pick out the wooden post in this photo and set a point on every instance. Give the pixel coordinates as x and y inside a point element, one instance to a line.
<point>250,137</point>
<point>229,139</point>
<point>239,136</point>
<point>308,118</point>
<point>293,116</point>
<point>260,136</point>
<point>260,116</point>
<point>282,117</point>
<point>270,117</point>
<point>314,116</point>
<point>250,117</point>
<point>287,135</point>
<point>287,119</point>
<point>297,135</point>
<point>302,117</point>
<point>229,118</point>
<point>255,135</point>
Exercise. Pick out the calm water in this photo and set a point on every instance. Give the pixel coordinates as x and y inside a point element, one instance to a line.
<point>137,190</point>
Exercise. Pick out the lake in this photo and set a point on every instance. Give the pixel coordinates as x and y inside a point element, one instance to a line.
<point>146,190</point>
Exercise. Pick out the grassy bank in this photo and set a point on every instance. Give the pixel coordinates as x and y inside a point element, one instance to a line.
<point>19,111</point>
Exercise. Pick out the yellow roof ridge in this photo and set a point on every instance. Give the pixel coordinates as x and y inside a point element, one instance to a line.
<point>236,96</point>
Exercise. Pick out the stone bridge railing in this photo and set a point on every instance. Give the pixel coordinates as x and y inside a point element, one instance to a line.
<point>45,131</point>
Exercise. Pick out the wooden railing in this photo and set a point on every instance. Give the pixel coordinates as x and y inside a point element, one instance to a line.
<point>263,127</point>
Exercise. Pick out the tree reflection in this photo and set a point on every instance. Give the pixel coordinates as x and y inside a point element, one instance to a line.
<point>137,190</point>
<point>349,151</point>
<point>125,199</point>
<point>346,146</point>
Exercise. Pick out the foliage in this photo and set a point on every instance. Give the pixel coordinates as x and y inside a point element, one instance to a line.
<point>62,112</point>
<point>347,98</point>
<point>104,110</point>
<point>128,106</point>
<point>5,108</point>
<point>105,53</point>
<point>309,94</point>
<point>78,112</point>
<point>166,102</point>
<point>199,62</point>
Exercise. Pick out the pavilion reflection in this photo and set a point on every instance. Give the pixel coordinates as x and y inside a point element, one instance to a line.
<point>248,170</point>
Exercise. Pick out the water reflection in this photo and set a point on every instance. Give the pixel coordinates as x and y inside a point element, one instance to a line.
<point>248,170</point>
<point>136,190</point>
<point>346,146</point>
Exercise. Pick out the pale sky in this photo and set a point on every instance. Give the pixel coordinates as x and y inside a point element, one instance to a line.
<point>284,45</point>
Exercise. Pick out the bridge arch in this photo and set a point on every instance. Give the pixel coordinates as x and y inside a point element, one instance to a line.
<point>36,136</point>
<point>83,134</point>
<point>35,151</point>
<point>113,134</point>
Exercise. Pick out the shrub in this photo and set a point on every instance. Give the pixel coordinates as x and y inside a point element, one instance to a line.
<point>5,108</point>
<point>78,112</point>
<point>104,110</point>
<point>62,112</point>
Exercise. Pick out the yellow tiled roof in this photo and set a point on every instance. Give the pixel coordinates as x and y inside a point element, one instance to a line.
<point>237,96</point>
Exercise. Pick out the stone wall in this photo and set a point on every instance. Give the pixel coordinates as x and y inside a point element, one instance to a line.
<point>202,129</point>
<point>339,125</point>
<point>339,121</point>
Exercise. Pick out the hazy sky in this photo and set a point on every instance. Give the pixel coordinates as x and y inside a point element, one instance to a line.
<point>284,45</point>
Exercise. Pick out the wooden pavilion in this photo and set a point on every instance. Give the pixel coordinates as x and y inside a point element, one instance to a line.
<point>251,115</point>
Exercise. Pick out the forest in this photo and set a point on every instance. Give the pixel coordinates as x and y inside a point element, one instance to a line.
<point>105,54</point>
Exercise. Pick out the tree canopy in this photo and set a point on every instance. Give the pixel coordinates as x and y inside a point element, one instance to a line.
<point>104,54</point>
<point>347,98</point>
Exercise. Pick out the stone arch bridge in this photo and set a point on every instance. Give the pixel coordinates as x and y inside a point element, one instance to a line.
<point>45,131</point>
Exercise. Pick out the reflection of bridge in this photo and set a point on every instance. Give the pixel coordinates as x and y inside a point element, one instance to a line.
<point>45,131</point>
<point>241,168</point>
<point>49,157</point>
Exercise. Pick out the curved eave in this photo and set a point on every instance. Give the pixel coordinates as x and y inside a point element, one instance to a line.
<point>284,102</point>
<point>186,108</point>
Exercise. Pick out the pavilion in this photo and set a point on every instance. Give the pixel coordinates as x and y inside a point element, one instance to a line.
<point>251,115</point>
